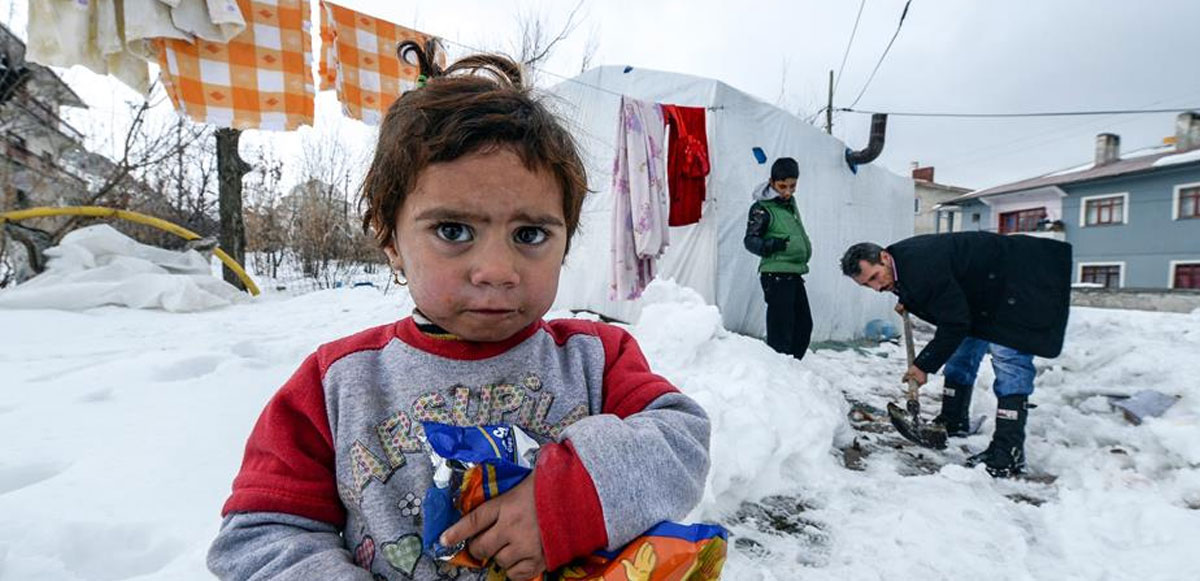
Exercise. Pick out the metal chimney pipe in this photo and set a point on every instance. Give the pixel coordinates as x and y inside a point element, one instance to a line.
<point>874,146</point>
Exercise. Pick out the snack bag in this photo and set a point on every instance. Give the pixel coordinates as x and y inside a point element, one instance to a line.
<point>474,464</point>
<point>470,466</point>
<point>669,551</point>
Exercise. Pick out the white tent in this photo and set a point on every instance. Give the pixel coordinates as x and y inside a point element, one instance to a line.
<point>839,207</point>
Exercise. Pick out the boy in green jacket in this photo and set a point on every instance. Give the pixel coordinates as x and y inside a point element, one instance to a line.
<point>776,233</point>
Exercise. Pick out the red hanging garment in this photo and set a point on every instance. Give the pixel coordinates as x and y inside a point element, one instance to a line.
<point>687,162</point>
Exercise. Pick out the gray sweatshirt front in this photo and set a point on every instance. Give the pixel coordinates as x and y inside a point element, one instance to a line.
<point>334,471</point>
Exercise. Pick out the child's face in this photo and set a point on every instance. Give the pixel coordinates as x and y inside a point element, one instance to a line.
<point>786,188</point>
<point>481,240</point>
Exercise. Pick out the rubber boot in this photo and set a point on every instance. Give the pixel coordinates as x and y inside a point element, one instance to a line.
<point>956,407</point>
<point>1005,456</point>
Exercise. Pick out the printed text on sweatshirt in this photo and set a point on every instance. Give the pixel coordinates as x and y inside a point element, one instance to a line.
<point>338,449</point>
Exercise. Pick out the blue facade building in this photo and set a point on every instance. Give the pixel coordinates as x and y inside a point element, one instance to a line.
<point>1134,220</point>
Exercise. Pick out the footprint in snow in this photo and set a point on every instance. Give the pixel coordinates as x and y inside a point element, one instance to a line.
<point>189,368</point>
<point>24,475</point>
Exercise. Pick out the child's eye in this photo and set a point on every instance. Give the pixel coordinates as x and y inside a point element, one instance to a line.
<point>531,235</point>
<point>454,232</point>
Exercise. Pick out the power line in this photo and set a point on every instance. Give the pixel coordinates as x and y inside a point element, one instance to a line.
<point>849,43</point>
<point>882,56</point>
<point>536,68</point>
<point>1039,138</point>
<point>565,78</point>
<point>553,74</point>
<point>1035,140</point>
<point>1031,114</point>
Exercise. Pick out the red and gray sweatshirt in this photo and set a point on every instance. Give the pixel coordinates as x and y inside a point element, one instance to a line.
<point>334,472</point>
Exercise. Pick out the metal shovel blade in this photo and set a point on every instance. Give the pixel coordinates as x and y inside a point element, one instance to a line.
<point>925,435</point>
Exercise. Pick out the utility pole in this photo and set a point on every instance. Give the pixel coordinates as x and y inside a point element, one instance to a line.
<point>829,106</point>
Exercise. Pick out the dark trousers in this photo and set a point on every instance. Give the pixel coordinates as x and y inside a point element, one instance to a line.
<point>789,319</point>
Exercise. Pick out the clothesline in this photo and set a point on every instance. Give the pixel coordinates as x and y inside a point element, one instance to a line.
<point>261,77</point>
<point>246,67</point>
<point>569,79</point>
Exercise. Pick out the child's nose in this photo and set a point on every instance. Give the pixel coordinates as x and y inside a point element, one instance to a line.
<point>495,265</point>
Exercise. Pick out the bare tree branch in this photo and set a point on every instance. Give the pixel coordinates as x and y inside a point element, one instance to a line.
<point>536,43</point>
<point>141,160</point>
<point>589,50</point>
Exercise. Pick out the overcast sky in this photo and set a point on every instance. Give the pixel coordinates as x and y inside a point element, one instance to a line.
<point>950,56</point>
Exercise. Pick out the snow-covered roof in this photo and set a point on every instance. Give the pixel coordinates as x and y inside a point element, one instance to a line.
<point>1185,157</point>
<point>1140,160</point>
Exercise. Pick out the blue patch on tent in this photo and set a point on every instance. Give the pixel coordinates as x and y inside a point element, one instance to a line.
<point>627,69</point>
<point>759,155</point>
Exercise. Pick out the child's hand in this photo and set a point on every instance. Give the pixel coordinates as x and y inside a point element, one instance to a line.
<point>504,530</point>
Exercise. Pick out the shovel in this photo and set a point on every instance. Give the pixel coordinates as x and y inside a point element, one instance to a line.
<point>908,420</point>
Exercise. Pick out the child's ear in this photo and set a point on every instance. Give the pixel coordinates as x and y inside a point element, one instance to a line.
<point>393,254</point>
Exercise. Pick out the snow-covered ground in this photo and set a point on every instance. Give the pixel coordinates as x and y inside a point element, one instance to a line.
<point>122,430</point>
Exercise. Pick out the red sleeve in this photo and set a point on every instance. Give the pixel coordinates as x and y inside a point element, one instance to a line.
<point>568,507</point>
<point>629,385</point>
<point>289,461</point>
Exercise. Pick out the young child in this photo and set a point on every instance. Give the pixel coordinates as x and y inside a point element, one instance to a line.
<point>474,193</point>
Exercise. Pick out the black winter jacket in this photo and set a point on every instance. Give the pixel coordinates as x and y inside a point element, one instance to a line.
<point>756,240</point>
<point>1010,290</point>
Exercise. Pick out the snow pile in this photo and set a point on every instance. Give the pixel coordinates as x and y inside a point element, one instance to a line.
<point>124,429</point>
<point>98,266</point>
<point>772,419</point>
<point>1185,157</point>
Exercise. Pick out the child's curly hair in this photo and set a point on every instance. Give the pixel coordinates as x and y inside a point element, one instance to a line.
<point>478,102</point>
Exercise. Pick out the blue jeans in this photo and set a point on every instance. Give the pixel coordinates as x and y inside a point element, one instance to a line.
<point>1014,369</point>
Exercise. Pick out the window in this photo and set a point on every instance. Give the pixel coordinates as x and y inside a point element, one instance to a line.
<point>1185,275</point>
<point>1103,210</point>
<point>1187,201</point>
<point>975,217</point>
<point>916,205</point>
<point>1107,275</point>
<point>1021,220</point>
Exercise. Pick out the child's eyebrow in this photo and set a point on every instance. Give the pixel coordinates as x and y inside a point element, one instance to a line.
<point>538,219</point>
<point>455,215</point>
<point>450,215</point>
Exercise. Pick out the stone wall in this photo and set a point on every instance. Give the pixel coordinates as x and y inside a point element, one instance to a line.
<point>1177,301</point>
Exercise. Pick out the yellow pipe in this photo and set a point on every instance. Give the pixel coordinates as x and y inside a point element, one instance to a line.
<point>101,212</point>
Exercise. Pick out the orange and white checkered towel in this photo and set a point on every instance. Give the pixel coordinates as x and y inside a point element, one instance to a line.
<point>358,58</point>
<point>260,79</point>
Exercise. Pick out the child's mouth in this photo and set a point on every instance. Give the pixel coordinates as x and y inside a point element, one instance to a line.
<point>492,312</point>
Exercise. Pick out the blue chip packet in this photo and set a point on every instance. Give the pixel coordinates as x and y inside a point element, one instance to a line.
<point>472,444</point>
<point>471,466</point>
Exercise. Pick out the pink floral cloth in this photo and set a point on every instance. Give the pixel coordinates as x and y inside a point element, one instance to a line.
<point>640,230</point>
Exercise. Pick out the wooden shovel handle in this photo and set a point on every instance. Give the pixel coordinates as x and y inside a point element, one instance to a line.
<point>911,353</point>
